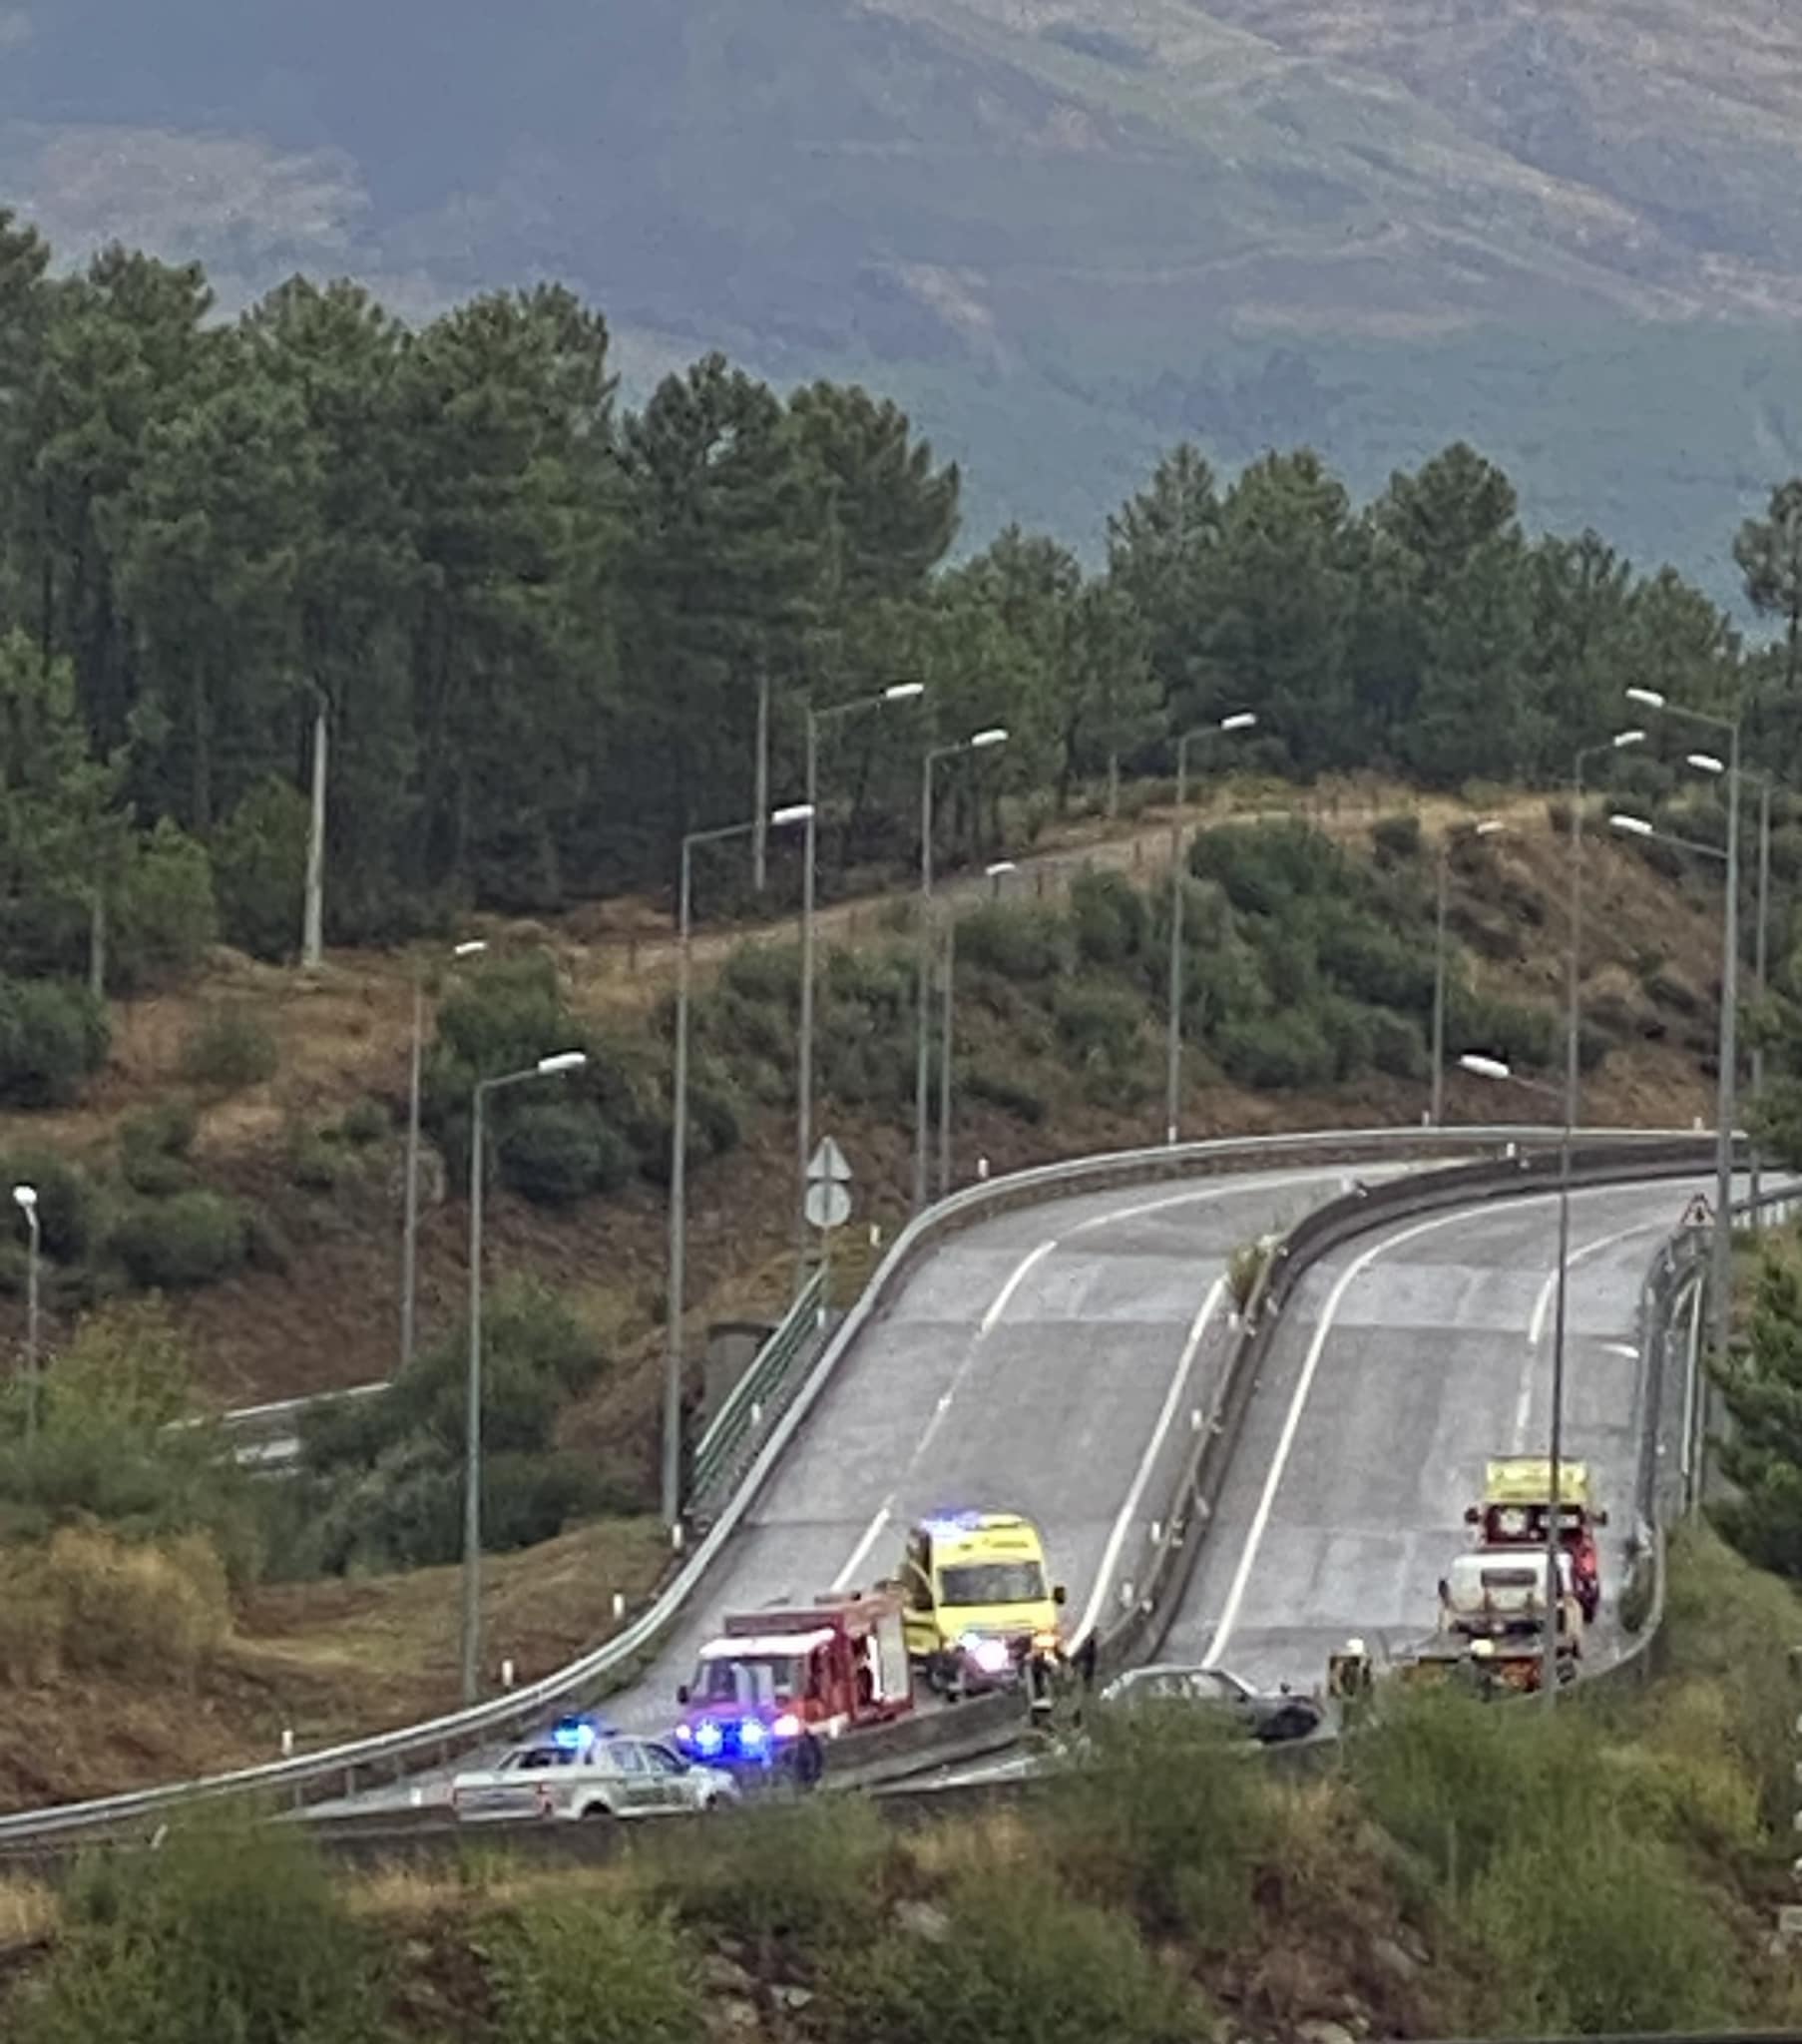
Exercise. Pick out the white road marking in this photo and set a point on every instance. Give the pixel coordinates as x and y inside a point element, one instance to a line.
<point>842,1581</point>
<point>1531,1371</point>
<point>1128,1511</point>
<point>1226,1189</point>
<point>1548,1291</point>
<point>1235,1595</point>
<point>1260,1519</point>
<point>1016,1277</point>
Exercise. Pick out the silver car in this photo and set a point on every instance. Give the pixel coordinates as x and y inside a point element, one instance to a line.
<point>1269,1719</point>
<point>614,1777</point>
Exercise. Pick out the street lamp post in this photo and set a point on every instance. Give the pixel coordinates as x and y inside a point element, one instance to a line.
<point>1709,762</point>
<point>1494,1068</point>
<point>796,812</point>
<point>26,1198</point>
<point>1721,1277</point>
<point>1487,828</point>
<point>546,1067</point>
<point>410,1242</point>
<point>1623,740</point>
<point>898,691</point>
<point>993,874</point>
<point>1240,720</point>
<point>1637,826</point>
<point>978,742</point>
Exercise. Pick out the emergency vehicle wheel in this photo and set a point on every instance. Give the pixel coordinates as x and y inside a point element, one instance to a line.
<point>808,1762</point>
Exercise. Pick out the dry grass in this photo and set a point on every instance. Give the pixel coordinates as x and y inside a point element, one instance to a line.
<point>327,1660</point>
<point>29,1911</point>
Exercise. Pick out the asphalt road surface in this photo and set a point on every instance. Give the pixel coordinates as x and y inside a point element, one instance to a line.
<point>1040,1362</point>
<point>1408,1358</point>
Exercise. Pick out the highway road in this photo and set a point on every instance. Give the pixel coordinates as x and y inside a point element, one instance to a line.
<point>1050,1358</point>
<point>1405,1360</point>
<point>1044,1360</point>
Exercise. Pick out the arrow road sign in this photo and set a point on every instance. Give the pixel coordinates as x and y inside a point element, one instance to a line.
<point>828,1166</point>
<point>828,1203</point>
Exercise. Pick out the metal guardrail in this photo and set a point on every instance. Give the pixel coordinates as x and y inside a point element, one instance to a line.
<point>756,1400</point>
<point>335,1769</point>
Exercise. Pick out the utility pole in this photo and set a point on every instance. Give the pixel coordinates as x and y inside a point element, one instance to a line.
<point>760,803</point>
<point>313,936</point>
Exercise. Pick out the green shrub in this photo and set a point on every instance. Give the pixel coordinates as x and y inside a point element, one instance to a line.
<point>315,1162</point>
<point>1017,940</point>
<point>555,1151</point>
<point>576,1970</point>
<point>259,869</point>
<point>189,1239</point>
<point>1397,1047</point>
<point>806,1875</point>
<point>1164,1811</point>
<point>1350,1030</point>
<point>1284,1051</point>
<point>1110,918</point>
<point>1375,964</point>
<point>1006,1090</point>
<point>766,975</point>
<point>1265,867</point>
<point>364,1121</point>
<point>165,917</point>
<point>231,1048</point>
<point>167,1129</point>
<point>1095,1018</point>
<point>1595,1929</point>
<point>53,1035</point>
<point>65,1200</point>
<point>230,1931</point>
<point>1023,1964</point>
<point>1458,1783</point>
<point>1396,838</point>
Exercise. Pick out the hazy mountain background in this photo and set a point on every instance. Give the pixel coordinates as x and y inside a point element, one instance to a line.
<point>1064,233</point>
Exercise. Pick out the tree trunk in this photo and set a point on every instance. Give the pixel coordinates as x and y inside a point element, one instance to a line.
<point>97,941</point>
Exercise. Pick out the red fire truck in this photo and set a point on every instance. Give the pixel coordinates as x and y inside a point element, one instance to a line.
<point>774,1686</point>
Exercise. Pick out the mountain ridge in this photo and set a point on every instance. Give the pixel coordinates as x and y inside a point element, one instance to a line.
<point>1102,223</point>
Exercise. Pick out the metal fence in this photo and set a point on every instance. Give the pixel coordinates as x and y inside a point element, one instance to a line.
<point>757,1402</point>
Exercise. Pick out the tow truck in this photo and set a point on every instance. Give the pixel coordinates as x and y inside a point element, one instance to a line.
<point>980,1614</point>
<point>773,1687</point>
<point>1493,1612</point>
<point>1517,1496</point>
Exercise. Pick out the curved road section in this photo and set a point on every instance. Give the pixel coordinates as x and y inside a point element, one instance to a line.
<point>1048,1360</point>
<point>1405,1360</point>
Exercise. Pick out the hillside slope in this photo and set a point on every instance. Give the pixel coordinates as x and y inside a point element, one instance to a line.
<point>1064,230</point>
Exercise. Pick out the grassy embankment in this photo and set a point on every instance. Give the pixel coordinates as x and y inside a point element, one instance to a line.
<point>1309,977</point>
<point>1469,1870</point>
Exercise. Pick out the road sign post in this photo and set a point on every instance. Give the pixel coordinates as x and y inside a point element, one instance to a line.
<point>828,1205</point>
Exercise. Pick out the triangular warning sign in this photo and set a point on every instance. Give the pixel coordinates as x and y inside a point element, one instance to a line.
<point>1698,1214</point>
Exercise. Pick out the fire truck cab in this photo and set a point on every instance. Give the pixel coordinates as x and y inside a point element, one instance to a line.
<point>1517,1496</point>
<point>774,1686</point>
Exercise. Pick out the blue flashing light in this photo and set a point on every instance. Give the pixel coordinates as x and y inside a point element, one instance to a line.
<point>574,1735</point>
<point>951,1522</point>
<point>708,1736</point>
<point>751,1734</point>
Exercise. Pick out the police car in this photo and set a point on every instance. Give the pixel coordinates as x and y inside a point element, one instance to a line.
<point>583,1769</point>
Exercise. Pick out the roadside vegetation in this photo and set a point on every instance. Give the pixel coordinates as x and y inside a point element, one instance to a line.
<point>1471,1870</point>
<point>1307,997</point>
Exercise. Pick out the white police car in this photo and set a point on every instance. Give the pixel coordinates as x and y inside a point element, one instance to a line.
<point>581,1770</point>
